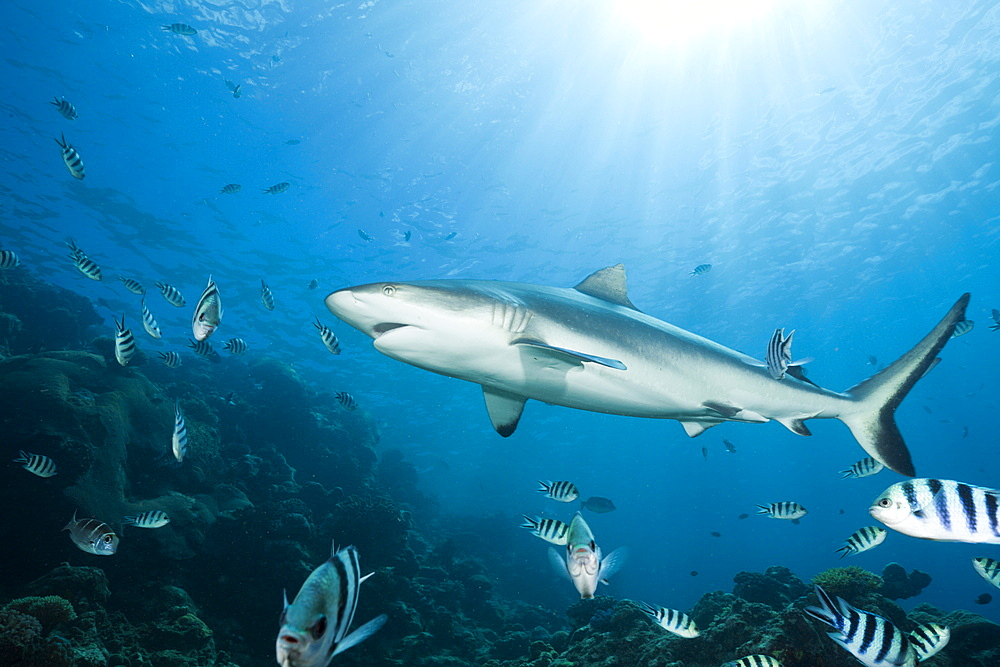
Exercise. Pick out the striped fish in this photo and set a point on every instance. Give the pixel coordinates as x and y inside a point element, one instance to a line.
<point>124,342</point>
<point>277,188</point>
<point>962,327</point>
<point>940,509</point>
<point>9,259</point>
<point>670,619</point>
<point>67,110</point>
<point>996,320</point>
<point>230,189</point>
<point>84,264</point>
<point>756,660</point>
<point>93,536</point>
<point>864,539</point>
<point>700,269</point>
<point>328,337</point>
<point>179,443</point>
<point>863,468</point>
<point>171,359</point>
<point>987,568</point>
<point>149,322</point>
<point>133,285</point>
<point>36,464</point>
<point>314,626</point>
<point>204,349</point>
<point>346,400</point>
<point>265,295</point>
<point>148,519</point>
<point>870,638</point>
<point>236,346</point>
<point>207,312</point>
<point>550,530</point>
<point>71,159</point>
<point>171,294</point>
<point>779,353</point>
<point>564,492</point>
<point>784,510</point>
<point>180,29</point>
<point>928,639</point>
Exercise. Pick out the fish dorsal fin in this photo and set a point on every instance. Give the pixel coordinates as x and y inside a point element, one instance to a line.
<point>504,409</point>
<point>608,285</point>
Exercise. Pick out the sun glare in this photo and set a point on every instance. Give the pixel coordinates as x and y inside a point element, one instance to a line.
<point>678,22</point>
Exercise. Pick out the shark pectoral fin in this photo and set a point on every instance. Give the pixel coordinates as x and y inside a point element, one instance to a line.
<point>573,355</point>
<point>504,410</point>
<point>796,426</point>
<point>693,428</point>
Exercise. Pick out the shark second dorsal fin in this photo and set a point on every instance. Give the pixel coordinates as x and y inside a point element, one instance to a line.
<point>608,285</point>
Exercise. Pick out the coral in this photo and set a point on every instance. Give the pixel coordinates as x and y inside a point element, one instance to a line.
<point>85,588</point>
<point>581,611</point>
<point>776,587</point>
<point>20,636</point>
<point>50,610</point>
<point>898,585</point>
<point>848,582</point>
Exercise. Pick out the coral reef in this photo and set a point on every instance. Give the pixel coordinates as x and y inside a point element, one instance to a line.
<point>898,585</point>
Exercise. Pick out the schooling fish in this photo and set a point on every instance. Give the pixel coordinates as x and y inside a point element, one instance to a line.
<point>564,492</point>
<point>171,359</point>
<point>583,561</point>
<point>676,622</point>
<point>171,294</point>
<point>863,468</point>
<point>314,626</point>
<point>92,536</point>
<point>784,510</point>
<point>230,189</point>
<point>84,264</point>
<point>204,349</point>
<point>149,322</point>
<point>124,342</point>
<point>598,505</point>
<point>266,297</point>
<point>940,509</point>
<point>779,353</point>
<point>9,259</point>
<point>277,189</point>
<point>988,568</point>
<point>365,236</point>
<point>133,285</point>
<point>71,159</point>
<point>236,346</point>
<point>756,660</point>
<point>180,29</point>
<point>208,312</point>
<point>550,530</point>
<point>346,400</point>
<point>328,337</point>
<point>962,327</point>
<point>864,539</point>
<point>700,269</point>
<point>36,464</point>
<point>179,442</point>
<point>149,519</point>
<point>67,110</point>
<point>928,639</point>
<point>313,284</point>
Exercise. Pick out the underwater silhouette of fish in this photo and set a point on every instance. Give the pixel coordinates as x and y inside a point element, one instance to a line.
<point>590,348</point>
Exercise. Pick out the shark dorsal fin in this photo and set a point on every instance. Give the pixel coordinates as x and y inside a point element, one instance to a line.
<point>607,284</point>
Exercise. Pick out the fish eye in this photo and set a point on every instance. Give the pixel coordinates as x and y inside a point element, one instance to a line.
<point>884,502</point>
<point>107,539</point>
<point>388,290</point>
<point>593,545</point>
<point>318,628</point>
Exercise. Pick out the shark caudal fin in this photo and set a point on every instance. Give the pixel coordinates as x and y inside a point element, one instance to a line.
<point>872,423</point>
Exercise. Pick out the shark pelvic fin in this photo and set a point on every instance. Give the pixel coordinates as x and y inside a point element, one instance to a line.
<point>608,285</point>
<point>504,410</point>
<point>575,357</point>
<point>693,428</point>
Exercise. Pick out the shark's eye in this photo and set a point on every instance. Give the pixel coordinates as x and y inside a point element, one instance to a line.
<point>388,290</point>
<point>885,502</point>
<point>318,628</point>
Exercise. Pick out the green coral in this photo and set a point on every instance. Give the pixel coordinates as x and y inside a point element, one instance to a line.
<point>49,610</point>
<point>848,582</point>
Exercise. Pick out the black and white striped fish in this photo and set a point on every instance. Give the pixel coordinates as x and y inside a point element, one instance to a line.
<point>863,468</point>
<point>277,188</point>
<point>236,346</point>
<point>928,639</point>
<point>171,359</point>
<point>988,568</point>
<point>564,492</point>
<point>180,29</point>
<point>171,294</point>
<point>93,536</point>
<point>204,349</point>
<point>36,464</point>
<point>863,539</point>
<point>700,269</point>
<point>676,622</point>
<point>148,519</point>
<point>870,638</point>
<point>784,510</point>
<point>314,626</point>
<point>346,400</point>
<point>779,353</point>
<point>71,159</point>
<point>756,660</point>
<point>230,189</point>
<point>9,259</point>
<point>328,337</point>
<point>962,327</point>
<point>265,295</point>
<point>996,320</point>
<point>133,285</point>
<point>149,322</point>
<point>179,442</point>
<point>207,312</point>
<point>84,264</point>
<point>550,530</point>
<point>940,509</point>
<point>124,342</point>
<point>67,110</point>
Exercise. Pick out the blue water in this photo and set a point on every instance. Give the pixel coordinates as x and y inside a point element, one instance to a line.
<point>836,163</point>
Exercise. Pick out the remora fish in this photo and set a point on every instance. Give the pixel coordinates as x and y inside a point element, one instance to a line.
<point>93,536</point>
<point>314,626</point>
<point>590,348</point>
<point>940,509</point>
<point>583,564</point>
<point>208,312</point>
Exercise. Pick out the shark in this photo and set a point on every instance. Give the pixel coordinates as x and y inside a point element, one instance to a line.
<point>588,347</point>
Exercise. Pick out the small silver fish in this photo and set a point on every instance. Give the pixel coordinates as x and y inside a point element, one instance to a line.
<point>756,660</point>
<point>207,312</point>
<point>564,492</point>
<point>863,539</point>
<point>863,468</point>
<point>940,509</point>
<point>236,346</point>
<point>346,400</point>
<point>171,294</point>
<point>179,442</point>
<point>67,110</point>
<point>328,337</point>
<point>277,188</point>
<point>266,297</point>
<point>988,568</point>
<point>36,464</point>
<point>675,621</point>
<point>550,530</point>
<point>171,359</point>
<point>180,29</point>
<point>124,342</point>
<point>149,322</point>
<point>583,561</point>
<point>93,536</point>
<point>71,158</point>
<point>700,269</point>
<point>148,519</point>
<point>962,327</point>
<point>9,259</point>
<point>784,510</point>
<point>230,189</point>
<point>133,285</point>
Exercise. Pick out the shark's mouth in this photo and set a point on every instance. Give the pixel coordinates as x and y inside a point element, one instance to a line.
<point>384,327</point>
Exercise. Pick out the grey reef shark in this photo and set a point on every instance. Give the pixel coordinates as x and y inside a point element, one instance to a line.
<point>590,348</point>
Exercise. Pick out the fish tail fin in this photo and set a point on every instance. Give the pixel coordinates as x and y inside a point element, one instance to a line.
<point>763,509</point>
<point>827,611</point>
<point>872,422</point>
<point>71,522</point>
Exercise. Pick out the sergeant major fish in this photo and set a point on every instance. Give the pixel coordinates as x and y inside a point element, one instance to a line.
<point>962,328</point>
<point>9,259</point>
<point>266,297</point>
<point>314,626</point>
<point>230,189</point>
<point>204,349</point>
<point>346,400</point>
<point>133,285</point>
<point>171,294</point>
<point>93,536</point>
<point>71,158</point>
<point>328,337</point>
<point>564,492</point>
<point>207,312</point>
<point>180,29</point>
<point>149,322</point>
<point>236,346</point>
<point>65,109</point>
<point>988,569</point>
<point>675,621</point>
<point>700,269</point>
<point>148,519</point>
<point>171,359</point>
<point>179,442</point>
<point>784,510</point>
<point>550,530</point>
<point>36,464</point>
<point>124,342</point>
<point>940,509</point>
<point>863,539</point>
<point>277,189</point>
<point>583,563</point>
<point>863,468</point>
<point>84,264</point>
<point>755,660</point>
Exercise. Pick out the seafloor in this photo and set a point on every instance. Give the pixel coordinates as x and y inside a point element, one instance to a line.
<point>206,589</point>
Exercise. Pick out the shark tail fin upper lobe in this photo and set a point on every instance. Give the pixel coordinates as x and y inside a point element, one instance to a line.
<point>873,423</point>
